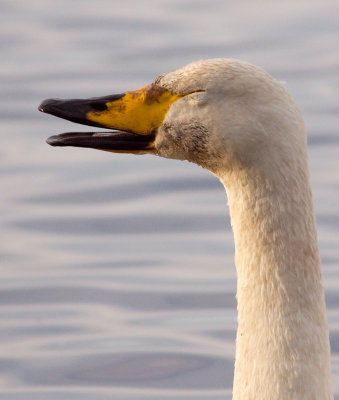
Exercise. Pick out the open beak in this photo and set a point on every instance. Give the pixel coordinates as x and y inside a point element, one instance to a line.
<point>135,117</point>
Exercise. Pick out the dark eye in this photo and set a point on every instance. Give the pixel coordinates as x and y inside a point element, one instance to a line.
<point>197,98</point>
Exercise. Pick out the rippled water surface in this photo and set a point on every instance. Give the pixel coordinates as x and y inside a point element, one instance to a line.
<point>117,273</point>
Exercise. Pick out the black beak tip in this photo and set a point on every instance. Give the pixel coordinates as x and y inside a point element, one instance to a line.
<point>53,140</point>
<point>45,106</point>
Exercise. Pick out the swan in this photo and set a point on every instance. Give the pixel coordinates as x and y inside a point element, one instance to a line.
<point>235,120</point>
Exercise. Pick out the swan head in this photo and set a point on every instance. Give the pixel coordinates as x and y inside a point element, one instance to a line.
<point>221,114</point>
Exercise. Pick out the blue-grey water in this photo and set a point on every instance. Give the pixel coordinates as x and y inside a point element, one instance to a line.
<point>117,273</point>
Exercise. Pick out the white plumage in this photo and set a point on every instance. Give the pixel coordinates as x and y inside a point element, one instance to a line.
<point>254,141</point>
<point>235,120</point>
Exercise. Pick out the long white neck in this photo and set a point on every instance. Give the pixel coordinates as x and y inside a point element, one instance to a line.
<point>282,348</point>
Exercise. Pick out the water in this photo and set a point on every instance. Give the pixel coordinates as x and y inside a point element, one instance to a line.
<point>117,274</point>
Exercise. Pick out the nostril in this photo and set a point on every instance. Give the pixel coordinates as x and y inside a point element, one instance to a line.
<point>98,105</point>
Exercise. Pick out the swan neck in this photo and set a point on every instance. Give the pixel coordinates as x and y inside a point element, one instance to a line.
<point>282,347</point>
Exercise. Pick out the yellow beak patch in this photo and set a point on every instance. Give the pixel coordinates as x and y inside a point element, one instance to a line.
<point>140,111</point>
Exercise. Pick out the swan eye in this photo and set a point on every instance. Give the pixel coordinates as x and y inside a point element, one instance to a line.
<point>195,99</point>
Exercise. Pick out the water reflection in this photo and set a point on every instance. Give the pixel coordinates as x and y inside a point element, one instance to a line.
<point>117,274</point>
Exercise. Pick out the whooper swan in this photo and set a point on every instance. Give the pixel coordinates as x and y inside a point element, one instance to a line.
<point>235,120</point>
